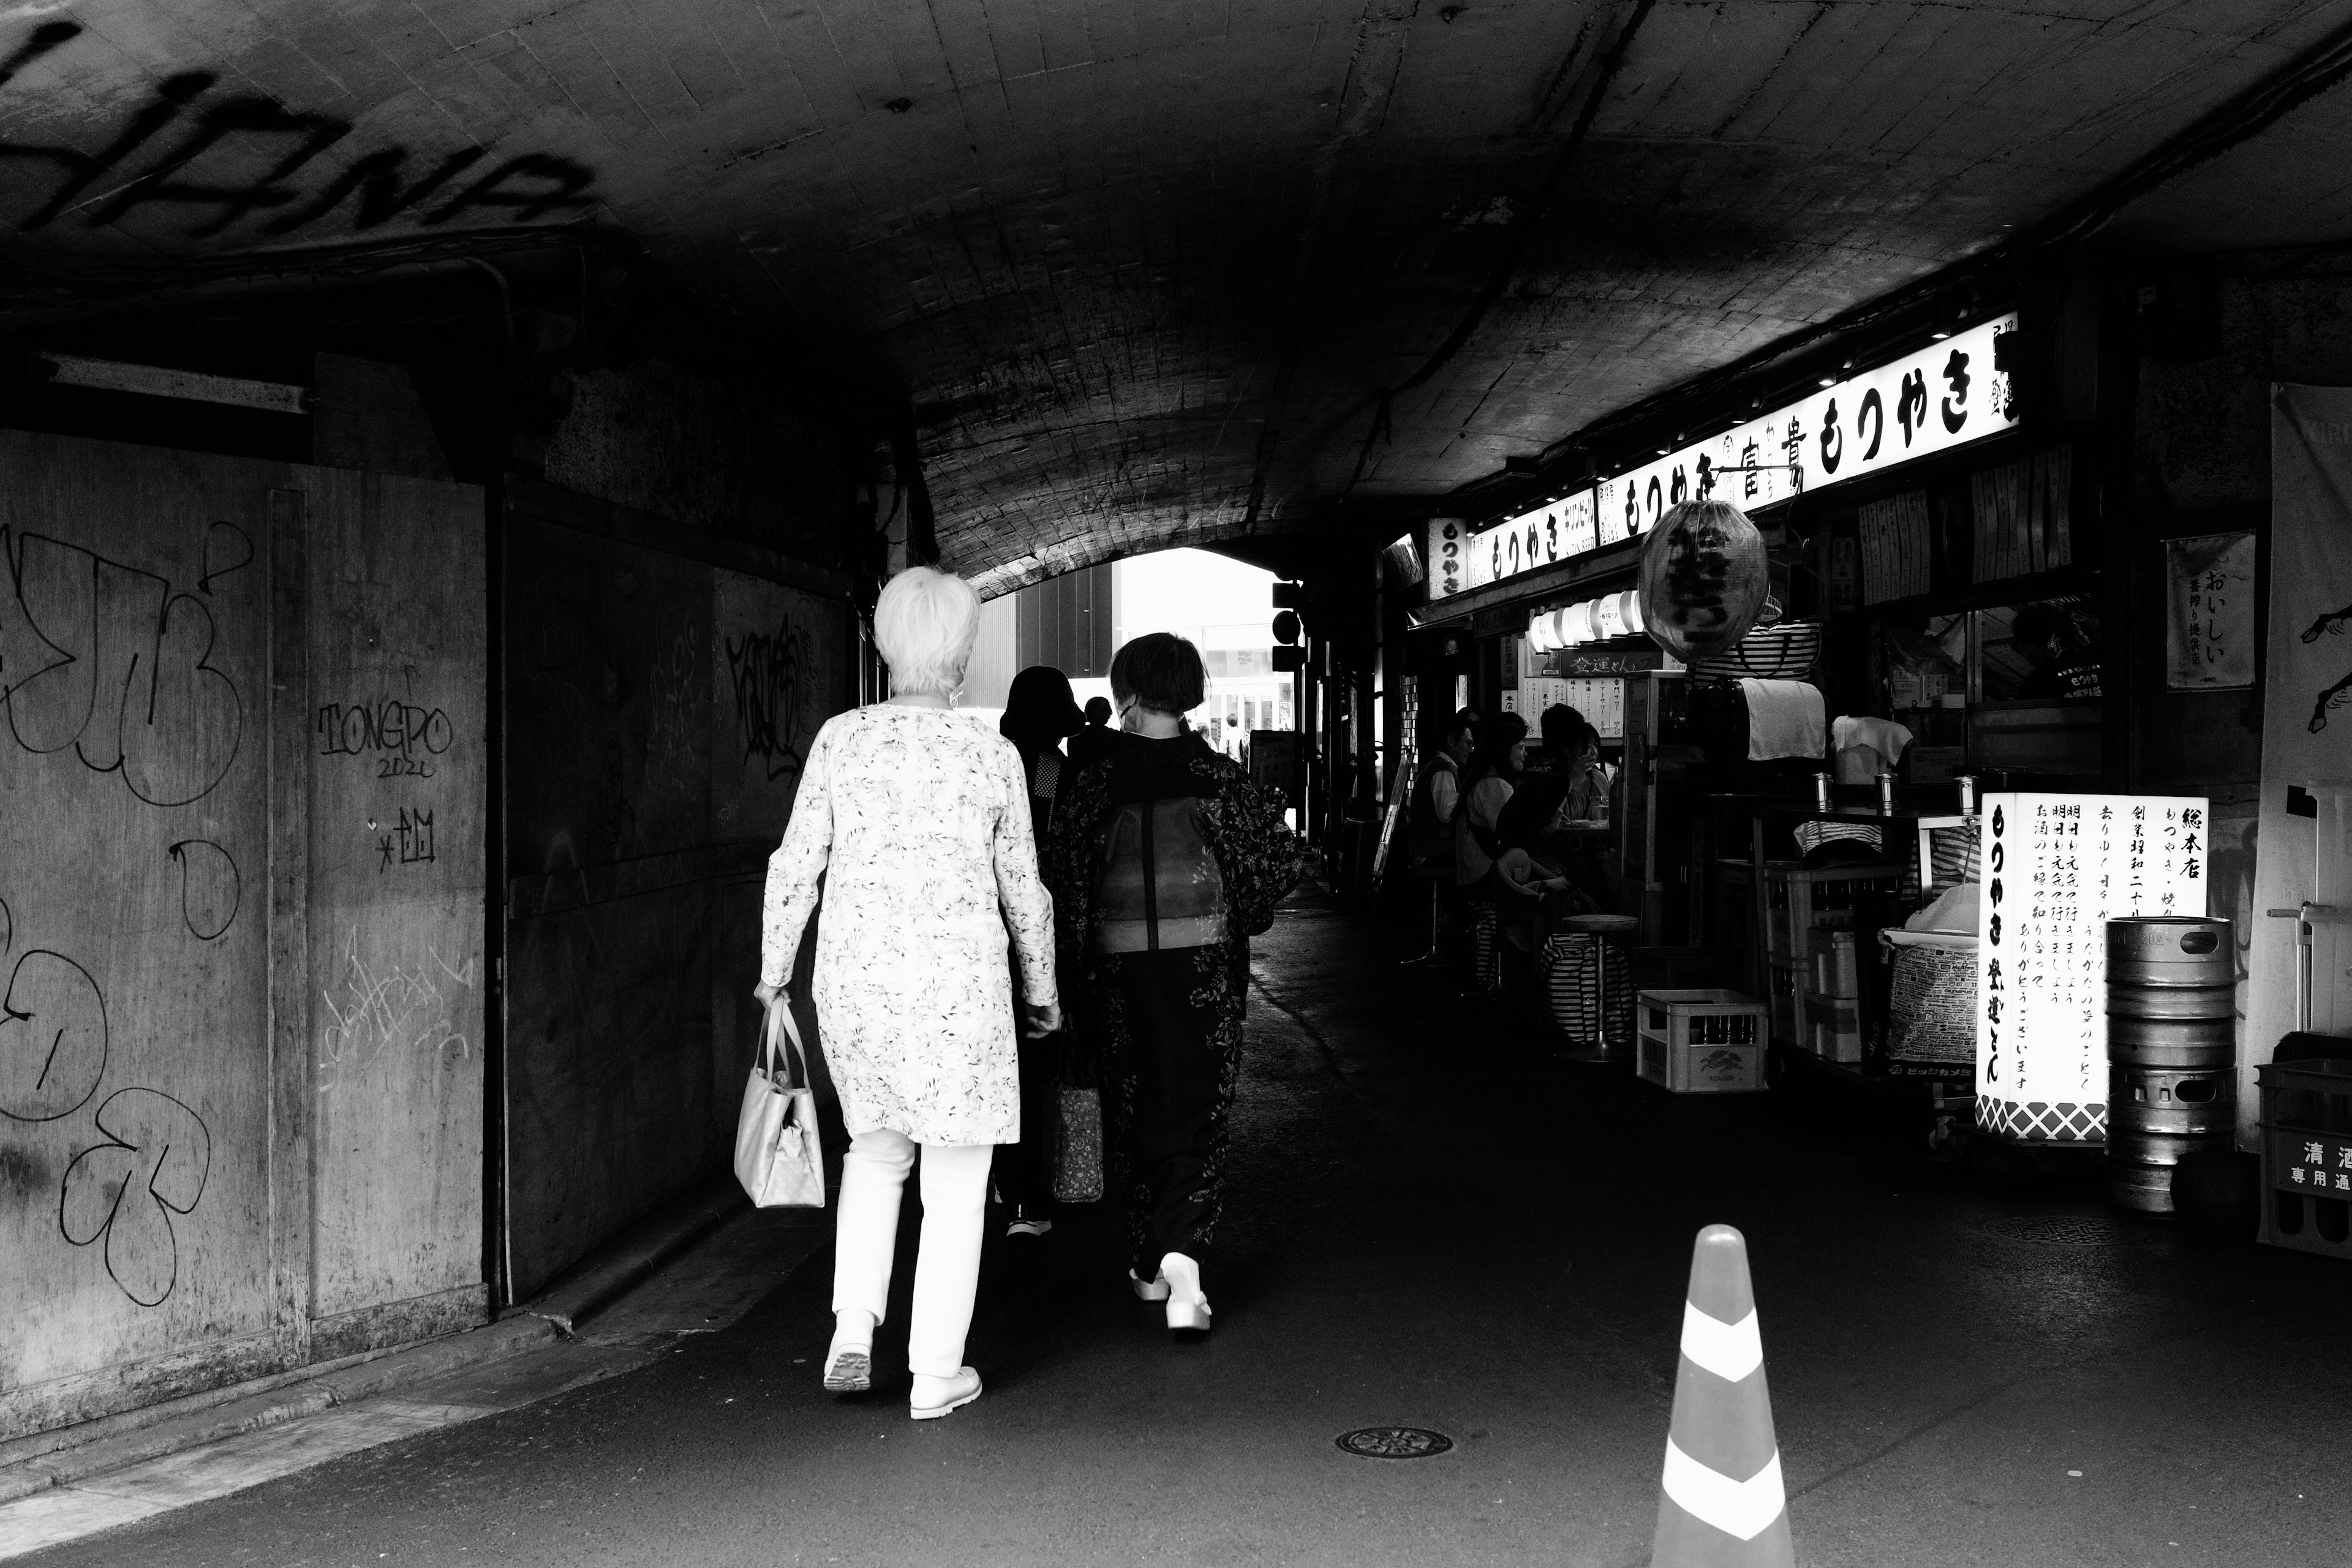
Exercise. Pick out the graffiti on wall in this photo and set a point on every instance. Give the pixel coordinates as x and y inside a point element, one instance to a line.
<point>106,659</point>
<point>188,150</point>
<point>765,668</point>
<point>375,1009</point>
<point>156,1151</point>
<point>107,664</point>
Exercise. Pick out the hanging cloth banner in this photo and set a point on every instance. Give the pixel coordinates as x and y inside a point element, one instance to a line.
<point>2306,717</point>
<point>2209,632</point>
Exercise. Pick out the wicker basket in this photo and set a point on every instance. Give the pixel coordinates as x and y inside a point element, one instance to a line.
<point>1787,651</point>
<point>1931,1005</point>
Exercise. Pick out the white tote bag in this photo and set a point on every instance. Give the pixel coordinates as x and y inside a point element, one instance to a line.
<point>776,1154</point>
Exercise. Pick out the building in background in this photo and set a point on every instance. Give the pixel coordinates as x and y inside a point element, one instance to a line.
<point>1077,621</point>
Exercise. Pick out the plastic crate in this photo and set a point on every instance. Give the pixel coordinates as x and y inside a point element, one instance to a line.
<point>2307,1128</point>
<point>1797,902</point>
<point>1702,1041</point>
<point>1832,1028</point>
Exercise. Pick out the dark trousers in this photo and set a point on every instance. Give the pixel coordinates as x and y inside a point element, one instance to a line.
<point>1024,1172</point>
<point>1177,1055</point>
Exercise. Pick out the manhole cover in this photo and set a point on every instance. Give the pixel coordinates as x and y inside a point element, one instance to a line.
<point>2042,1232</point>
<point>1394,1442</point>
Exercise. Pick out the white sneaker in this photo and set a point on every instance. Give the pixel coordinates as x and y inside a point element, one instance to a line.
<point>1152,1290</point>
<point>1188,1308</point>
<point>935,1396</point>
<point>1024,1223</point>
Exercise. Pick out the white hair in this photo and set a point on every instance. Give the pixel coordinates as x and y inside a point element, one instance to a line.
<point>925,624</point>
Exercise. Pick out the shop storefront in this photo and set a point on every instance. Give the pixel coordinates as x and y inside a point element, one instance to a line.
<point>1898,813</point>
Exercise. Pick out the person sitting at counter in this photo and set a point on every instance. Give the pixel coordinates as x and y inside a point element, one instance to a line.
<point>1587,782</point>
<point>1533,888</point>
<point>1494,776</point>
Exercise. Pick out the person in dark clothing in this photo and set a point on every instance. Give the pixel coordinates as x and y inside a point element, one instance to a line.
<point>1163,860</point>
<point>1092,742</point>
<point>2046,635</point>
<point>1039,712</point>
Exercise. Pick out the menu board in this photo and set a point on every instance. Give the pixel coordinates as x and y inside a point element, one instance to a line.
<point>2057,868</point>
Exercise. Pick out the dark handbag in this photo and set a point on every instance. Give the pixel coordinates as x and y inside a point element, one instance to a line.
<point>1078,1127</point>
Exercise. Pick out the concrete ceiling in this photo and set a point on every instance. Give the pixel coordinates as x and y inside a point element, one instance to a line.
<point>1147,270</point>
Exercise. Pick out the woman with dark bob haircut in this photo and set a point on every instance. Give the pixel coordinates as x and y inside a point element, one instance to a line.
<point>1163,862</point>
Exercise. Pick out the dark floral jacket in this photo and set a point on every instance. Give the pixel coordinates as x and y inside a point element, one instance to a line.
<point>1257,855</point>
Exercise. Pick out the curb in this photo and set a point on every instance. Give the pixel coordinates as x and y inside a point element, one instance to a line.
<point>306,1396</point>
<point>134,1437</point>
<point>633,1256</point>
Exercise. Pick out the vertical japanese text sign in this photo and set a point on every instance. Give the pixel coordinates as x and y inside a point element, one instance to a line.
<point>2057,868</point>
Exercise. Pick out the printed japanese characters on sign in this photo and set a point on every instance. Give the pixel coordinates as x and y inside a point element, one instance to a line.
<point>2209,633</point>
<point>1946,394</point>
<point>2057,868</point>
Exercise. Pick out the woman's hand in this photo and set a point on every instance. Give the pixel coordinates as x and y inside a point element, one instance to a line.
<point>1039,1020</point>
<point>768,996</point>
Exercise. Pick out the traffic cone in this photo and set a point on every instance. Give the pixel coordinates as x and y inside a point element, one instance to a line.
<point>1722,1504</point>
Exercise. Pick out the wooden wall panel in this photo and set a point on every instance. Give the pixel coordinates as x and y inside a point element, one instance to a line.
<point>399,766</point>
<point>134,1054</point>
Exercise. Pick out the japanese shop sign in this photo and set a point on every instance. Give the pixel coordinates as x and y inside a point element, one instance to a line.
<point>2208,638</point>
<point>2057,868</point>
<point>1553,531</point>
<point>1946,394</point>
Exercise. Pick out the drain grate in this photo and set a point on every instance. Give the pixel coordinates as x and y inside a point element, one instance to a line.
<point>1394,1442</point>
<point>2067,1232</point>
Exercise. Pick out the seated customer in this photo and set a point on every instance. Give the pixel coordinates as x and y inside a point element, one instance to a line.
<point>1534,889</point>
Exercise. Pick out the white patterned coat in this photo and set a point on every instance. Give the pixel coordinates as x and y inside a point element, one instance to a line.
<point>918,819</point>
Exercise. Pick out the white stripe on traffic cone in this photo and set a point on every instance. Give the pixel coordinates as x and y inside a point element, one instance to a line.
<point>1723,1503</point>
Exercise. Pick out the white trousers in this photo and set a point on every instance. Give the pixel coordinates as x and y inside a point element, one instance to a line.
<point>947,1265</point>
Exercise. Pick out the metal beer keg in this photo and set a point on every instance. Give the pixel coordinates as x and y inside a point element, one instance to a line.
<point>2171,1051</point>
<point>2193,952</point>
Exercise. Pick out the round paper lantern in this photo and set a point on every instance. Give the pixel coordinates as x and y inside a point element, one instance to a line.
<point>1576,625</point>
<point>1629,606</point>
<point>1543,633</point>
<point>1704,577</point>
<point>1608,617</point>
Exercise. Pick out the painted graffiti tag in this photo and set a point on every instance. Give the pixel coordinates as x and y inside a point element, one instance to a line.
<point>105,659</point>
<point>409,842</point>
<point>766,670</point>
<point>53,1038</point>
<point>401,737</point>
<point>187,152</point>
<point>153,1164</point>
<point>210,887</point>
<point>392,1009</point>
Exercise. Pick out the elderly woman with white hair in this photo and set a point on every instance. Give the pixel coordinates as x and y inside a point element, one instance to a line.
<point>917,818</point>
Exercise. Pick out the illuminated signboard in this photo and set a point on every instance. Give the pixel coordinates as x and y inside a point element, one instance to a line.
<point>1946,394</point>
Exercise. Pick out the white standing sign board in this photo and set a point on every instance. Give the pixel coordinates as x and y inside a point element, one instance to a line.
<point>2057,868</point>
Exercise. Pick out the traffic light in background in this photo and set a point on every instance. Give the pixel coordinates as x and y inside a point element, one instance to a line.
<point>1288,654</point>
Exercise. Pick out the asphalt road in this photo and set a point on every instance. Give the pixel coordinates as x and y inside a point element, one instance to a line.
<point>1434,1223</point>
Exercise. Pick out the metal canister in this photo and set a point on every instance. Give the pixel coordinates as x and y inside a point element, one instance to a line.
<point>2189,951</point>
<point>1967,783</point>
<point>2203,1002</point>
<point>2171,1051</point>
<point>1820,791</point>
<point>2176,1044</point>
<point>1886,794</point>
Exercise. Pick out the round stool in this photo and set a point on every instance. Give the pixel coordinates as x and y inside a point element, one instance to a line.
<point>1588,984</point>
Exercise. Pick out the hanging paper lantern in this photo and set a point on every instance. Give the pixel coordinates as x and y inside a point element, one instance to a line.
<point>1608,617</point>
<point>1704,577</point>
<point>1629,606</point>
<point>1539,634</point>
<point>1576,625</point>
